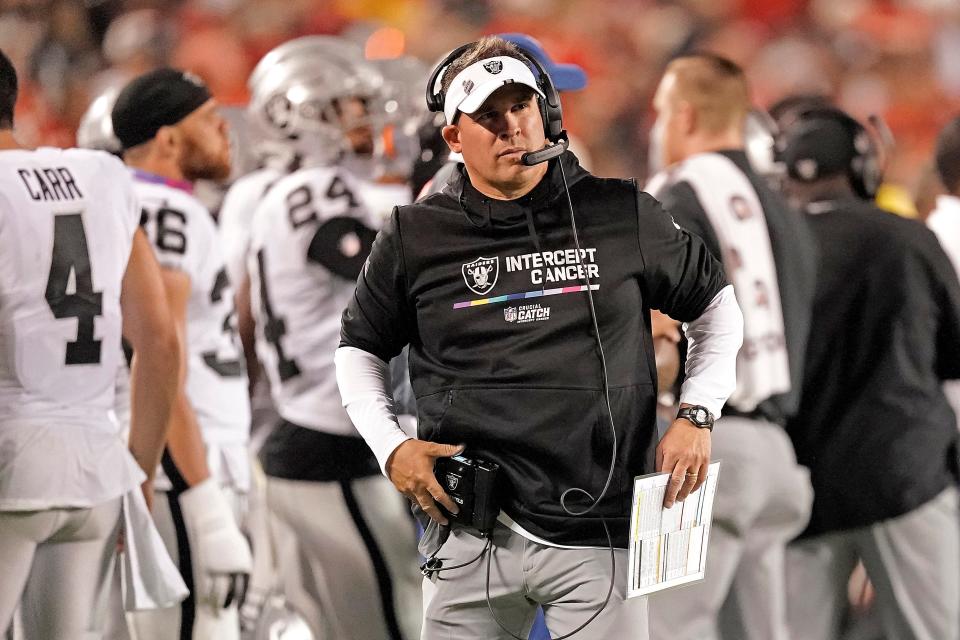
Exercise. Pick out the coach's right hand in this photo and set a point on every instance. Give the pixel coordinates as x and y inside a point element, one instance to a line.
<point>410,469</point>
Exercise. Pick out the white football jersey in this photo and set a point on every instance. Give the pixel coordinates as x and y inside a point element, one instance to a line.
<point>185,238</point>
<point>67,220</point>
<point>297,300</point>
<point>236,215</point>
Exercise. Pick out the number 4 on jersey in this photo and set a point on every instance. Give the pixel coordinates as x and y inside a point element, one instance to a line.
<point>71,256</point>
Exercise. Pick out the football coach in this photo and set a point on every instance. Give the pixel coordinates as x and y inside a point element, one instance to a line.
<point>530,347</point>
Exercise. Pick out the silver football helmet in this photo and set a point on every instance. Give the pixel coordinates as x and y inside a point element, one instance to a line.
<point>316,99</point>
<point>281,58</point>
<point>404,79</point>
<point>96,126</point>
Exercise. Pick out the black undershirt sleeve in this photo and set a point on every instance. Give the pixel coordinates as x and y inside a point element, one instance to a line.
<point>680,275</point>
<point>378,317</point>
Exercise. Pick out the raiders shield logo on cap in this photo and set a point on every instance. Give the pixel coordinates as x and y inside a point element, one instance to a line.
<point>494,66</point>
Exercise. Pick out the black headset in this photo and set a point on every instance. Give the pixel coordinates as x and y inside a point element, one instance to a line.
<point>800,149</point>
<point>549,106</point>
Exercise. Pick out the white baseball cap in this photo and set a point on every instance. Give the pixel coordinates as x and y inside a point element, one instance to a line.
<point>472,86</point>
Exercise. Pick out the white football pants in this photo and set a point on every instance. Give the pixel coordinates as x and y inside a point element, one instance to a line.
<point>57,564</point>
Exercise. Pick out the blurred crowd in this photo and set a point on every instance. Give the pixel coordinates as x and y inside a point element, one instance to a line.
<point>899,59</point>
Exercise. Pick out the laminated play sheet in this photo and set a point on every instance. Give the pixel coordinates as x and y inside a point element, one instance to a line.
<point>668,547</point>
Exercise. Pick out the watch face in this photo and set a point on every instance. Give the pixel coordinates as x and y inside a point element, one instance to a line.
<point>701,415</point>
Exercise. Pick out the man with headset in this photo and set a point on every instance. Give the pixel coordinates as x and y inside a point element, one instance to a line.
<point>504,303</point>
<point>873,424</point>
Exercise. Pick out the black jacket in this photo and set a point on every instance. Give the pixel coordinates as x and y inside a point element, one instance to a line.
<point>489,297</point>
<point>874,426</point>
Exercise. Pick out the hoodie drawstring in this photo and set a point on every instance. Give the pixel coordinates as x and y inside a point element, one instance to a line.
<point>532,229</point>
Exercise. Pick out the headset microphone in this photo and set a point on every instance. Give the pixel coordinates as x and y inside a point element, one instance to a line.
<point>547,153</point>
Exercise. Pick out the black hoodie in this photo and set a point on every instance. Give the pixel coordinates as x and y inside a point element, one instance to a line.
<point>490,296</point>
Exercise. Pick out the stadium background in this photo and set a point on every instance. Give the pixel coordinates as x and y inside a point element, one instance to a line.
<point>896,58</point>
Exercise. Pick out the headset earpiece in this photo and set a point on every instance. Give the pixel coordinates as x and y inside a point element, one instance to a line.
<point>866,170</point>
<point>550,107</point>
<point>434,93</point>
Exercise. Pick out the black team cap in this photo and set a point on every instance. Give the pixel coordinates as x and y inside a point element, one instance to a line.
<point>160,98</point>
<point>830,145</point>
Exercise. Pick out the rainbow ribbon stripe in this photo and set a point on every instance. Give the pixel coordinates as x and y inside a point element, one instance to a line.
<point>524,296</point>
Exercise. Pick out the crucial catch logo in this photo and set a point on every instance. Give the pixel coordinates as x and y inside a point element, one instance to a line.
<point>526,313</point>
<point>481,274</point>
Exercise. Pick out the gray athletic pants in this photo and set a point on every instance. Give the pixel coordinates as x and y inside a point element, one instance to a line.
<point>763,501</point>
<point>58,565</point>
<point>570,584</point>
<point>347,557</point>
<point>913,562</point>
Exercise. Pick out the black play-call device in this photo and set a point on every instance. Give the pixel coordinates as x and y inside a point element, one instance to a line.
<point>470,482</point>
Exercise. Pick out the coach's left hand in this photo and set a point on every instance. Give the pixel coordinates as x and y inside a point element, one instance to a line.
<point>410,469</point>
<point>683,452</point>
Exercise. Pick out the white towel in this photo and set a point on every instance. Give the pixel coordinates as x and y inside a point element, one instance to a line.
<point>150,578</point>
<point>734,212</point>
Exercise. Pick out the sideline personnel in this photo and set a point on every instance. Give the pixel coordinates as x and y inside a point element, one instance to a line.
<point>873,425</point>
<point>453,276</point>
<point>763,495</point>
